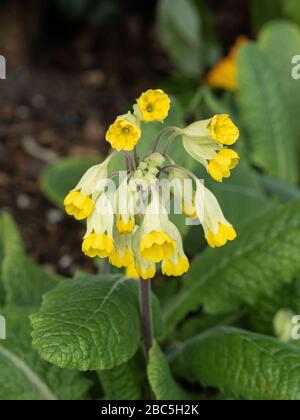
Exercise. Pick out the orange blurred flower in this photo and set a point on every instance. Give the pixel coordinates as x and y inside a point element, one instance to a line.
<point>224,74</point>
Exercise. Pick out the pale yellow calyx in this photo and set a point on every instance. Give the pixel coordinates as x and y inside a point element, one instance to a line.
<point>120,260</point>
<point>221,166</point>
<point>123,134</point>
<point>154,105</point>
<point>172,269</point>
<point>157,246</point>
<point>78,205</point>
<point>223,130</point>
<point>191,211</point>
<point>98,245</point>
<point>125,227</point>
<point>225,233</point>
<point>146,273</point>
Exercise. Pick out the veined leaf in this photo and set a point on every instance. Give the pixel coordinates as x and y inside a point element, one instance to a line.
<point>262,315</point>
<point>24,375</point>
<point>266,115</point>
<point>265,256</point>
<point>24,281</point>
<point>63,175</point>
<point>180,32</point>
<point>242,364</point>
<point>90,323</point>
<point>161,380</point>
<point>124,382</point>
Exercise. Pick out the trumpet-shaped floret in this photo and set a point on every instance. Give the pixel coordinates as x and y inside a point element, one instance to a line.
<point>154,105</point>
<point>125,227</point>
<point>176,269</point>
<point>225,233</point>
<point>221,166</point>
<point>146,272</point>
<point>78,205</point>
<point>122,259</point>
<point>123,134</point>
<point>223,130</point>
<point>98,245</point>
<point>131,272</point>
<point>157,246</point>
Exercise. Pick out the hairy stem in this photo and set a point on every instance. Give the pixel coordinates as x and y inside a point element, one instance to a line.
<point>146,314</point>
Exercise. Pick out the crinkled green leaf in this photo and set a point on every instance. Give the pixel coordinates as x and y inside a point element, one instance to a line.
<point>90,323</point>
<point>160,377</point>
<point>242,364</point>
<point>266,115</point>
<point>265,256</point>
<point>24,375</point>
<point>179,27</point>
<point>24,281</point>
<point>262,315</point>
<point>62,176</point>
<point>124,382</point>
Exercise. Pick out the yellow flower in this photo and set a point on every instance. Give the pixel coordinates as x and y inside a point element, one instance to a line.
<point>124,226</point>
<point>131,272</point>
<point>176,269</point>
<point>98,245</point>
<point>222,130</point>
<point>218,231</point>
<point>78,205</point>
<point>224,74</point>
<point>124,133</point>
<point>154,105</point>
<point>157,246</point>
<point>224,234</point>
<point>222,164</point>
<point>78,202</point>
<point>177,264</point>
<point>146,272</point>
<point>120,260</point>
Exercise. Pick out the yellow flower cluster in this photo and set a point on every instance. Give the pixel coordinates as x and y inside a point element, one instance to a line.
<point>125,132</point>
<point>224,74</point>
<point>130,226</point>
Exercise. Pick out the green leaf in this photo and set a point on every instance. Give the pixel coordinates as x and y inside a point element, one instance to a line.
<point>263,11</point>
<point>62,176</point>
<point>24,376</point>
<point>242,195</point>
<point>266,115</point>
<point>292,10</point>
<point>24,281</point>
<point>280,42</point>
<point>262,315</point>
<point>242,364</point>
<point>123,382</point>
<point>161,380</point>
<point>265,256</point>
<point>180,30</point>
<point>90,323</point>
<point>282,190</point>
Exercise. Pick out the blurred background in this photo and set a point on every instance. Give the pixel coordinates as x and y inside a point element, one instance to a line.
<point>73,65</point>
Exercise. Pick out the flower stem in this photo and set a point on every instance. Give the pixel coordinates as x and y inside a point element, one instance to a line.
<point>146,314</point>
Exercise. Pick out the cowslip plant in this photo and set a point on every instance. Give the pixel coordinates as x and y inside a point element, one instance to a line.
<point>128,223</point>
